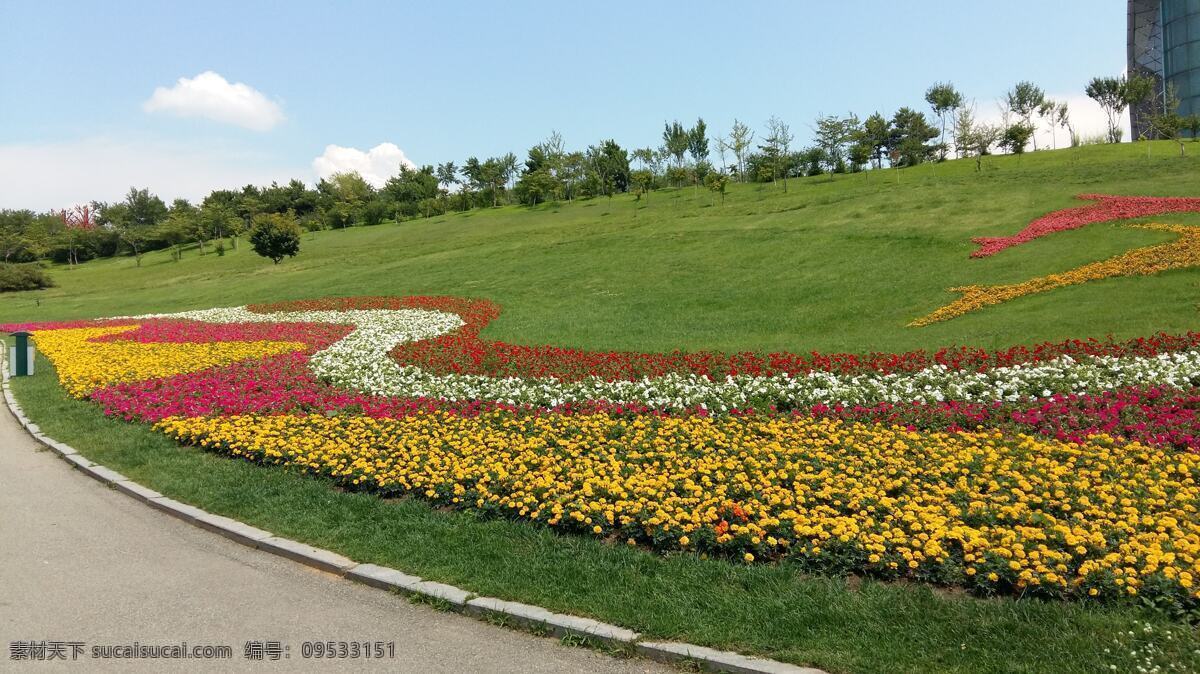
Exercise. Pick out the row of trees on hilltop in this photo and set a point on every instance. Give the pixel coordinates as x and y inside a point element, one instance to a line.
<point>687,156</point>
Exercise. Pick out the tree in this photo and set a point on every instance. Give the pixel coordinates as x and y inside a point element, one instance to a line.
<point>698,142</point>
<point>944,99</point>
<point>1109,93</point>
<point>740,140</point>
<point>833,134</point>
<point>608,166</point>
<point>218,219</point>
<point>1193,127</point>
<point>536,186</point>
<point>1062,118</point>
<point>698,148</point>
<point>876,134</point>
<point>964,126</point>
<point>675,141</point>
<point>510,167</point>
<point>643,180</point>
<point>174,231</point>
<point>909,138</point>
<point>494,175</point>
<point>1137,89</point>
<point>1169,124</point>
<point>248,205</point>
<point>1048,112</point>
<point>859,156</point>
<point>1017,136</point>
<point>1024,100</point>
<point>716,183</point>
<point>979,140</point>
<point>776,146</point>
<point>570,173</point>
<point>14,226</point>
<point>136,219</point>
<point>407,192</point>
<point>275,235</point>
<point>347,192</point>
<point>447,175</point>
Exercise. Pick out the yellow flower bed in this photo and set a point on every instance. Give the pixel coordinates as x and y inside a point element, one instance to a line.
<point>975,509</point>
<point>1180,254</point>
<point>84,366</point>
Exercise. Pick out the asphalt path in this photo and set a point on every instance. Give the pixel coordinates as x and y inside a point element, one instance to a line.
<point>83,563</point>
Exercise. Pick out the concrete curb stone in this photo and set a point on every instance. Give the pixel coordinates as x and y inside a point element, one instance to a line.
<point>174,508</point>
<point>383,578</point>
<point>457,598</point>
<point>104,475</point>
<point>717,661</point>
<point>78,461</point>
<point>137,491</point>
<point>233,529</point>
<point>561,625</point>
<point>307,554</point>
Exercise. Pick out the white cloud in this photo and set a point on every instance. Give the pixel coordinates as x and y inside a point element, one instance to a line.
<point>375,165</point>
<point>211,96</point>
<point>42,176</point>
<point>1087,118</point>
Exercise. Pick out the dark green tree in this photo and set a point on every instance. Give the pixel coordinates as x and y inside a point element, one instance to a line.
<point>908,141</point>
<point>1016,137</point>
<point>275,236</point>
<point>608,166</point>
<point>405,193</point>
<point>447,175</point>
<point>136,219</point>
<point>876,134</point>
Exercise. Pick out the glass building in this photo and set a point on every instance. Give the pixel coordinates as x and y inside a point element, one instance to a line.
<point>1164,43</point>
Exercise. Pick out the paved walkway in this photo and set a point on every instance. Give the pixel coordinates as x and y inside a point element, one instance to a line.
<point>80,562</point>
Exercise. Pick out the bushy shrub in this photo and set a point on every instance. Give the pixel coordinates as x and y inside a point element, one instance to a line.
<point>374,213</point>
<point>14,277</point>
<point>275,235</point>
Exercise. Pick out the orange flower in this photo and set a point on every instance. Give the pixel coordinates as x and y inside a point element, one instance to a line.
<point>1179,254</point>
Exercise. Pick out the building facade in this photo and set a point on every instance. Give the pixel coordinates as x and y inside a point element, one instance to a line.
<point>1164,43</point>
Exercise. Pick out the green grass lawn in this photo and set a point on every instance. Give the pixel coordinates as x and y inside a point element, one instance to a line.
<point>834,265</point>
<point>830,265</point>
<point>768,609</point>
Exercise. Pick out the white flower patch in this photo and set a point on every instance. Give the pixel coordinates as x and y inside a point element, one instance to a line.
<point>361,362</point>
<point>363,352</point>
<point>934,384</point>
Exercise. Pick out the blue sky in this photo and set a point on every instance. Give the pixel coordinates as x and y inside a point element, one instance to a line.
<point>448,80</point>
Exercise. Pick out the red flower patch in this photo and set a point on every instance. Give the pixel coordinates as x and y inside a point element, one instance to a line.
<point>1104,209</point>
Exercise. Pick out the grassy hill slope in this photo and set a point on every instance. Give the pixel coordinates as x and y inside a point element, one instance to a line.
<point>840,264</point>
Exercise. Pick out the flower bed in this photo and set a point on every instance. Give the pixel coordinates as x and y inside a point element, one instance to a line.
<point>1180,254</point>
<point>1051,469</point>
<point>972,509</point>
<point>85,365</point>
<point>1106,208</point>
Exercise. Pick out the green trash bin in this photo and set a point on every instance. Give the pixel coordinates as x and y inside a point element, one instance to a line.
<point>20,357</point>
